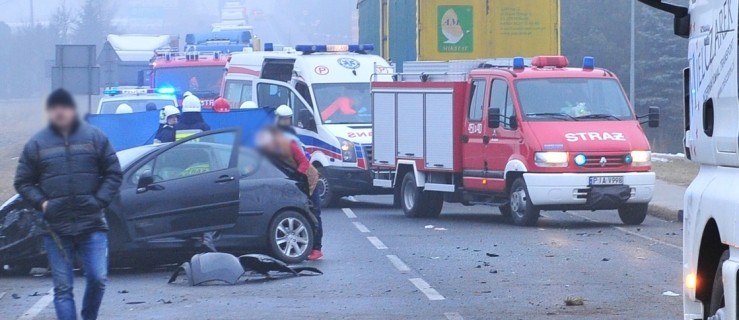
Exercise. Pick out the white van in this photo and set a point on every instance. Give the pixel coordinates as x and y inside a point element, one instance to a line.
<point>333,113</point>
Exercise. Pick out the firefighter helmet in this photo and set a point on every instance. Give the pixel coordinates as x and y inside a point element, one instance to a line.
<point>221,105</point>
<point>249,105</point>
<point>191,103</point>
<point>283,111</point>
<point>123,108</point>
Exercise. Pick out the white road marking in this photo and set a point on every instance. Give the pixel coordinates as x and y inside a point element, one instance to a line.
<point>453,316</point>
<point>39,306</point>
<point>629,232</point>
<point>426,289</point>
<point>399,264</point>
<point>377,243</point>
<point>361,227</point>
<point>349,213</point>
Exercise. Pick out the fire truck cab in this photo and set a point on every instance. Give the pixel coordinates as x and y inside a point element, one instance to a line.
<point>525,139</point>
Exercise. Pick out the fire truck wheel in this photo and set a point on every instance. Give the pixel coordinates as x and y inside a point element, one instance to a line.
<point>717,292</point>
<point>417,203</point>
<point>523,212</point>
<point>633,214</point>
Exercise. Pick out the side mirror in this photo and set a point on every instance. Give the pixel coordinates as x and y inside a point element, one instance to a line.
<point>512,123</point>
<point>145,181</point>
<point>653,117</point>
<point>493,118</point>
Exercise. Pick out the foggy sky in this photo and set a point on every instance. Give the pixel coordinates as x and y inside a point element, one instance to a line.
<point>280,21</point>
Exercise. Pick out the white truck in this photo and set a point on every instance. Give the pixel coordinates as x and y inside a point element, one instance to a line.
<point>333,114</point>
<point>711,206</point>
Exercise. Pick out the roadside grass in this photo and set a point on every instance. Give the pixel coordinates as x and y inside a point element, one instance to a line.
<point>21,119</point>
<point>674,169</point>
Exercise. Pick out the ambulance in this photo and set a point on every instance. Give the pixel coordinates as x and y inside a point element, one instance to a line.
<point>711,206</point>
<point>328,88</point>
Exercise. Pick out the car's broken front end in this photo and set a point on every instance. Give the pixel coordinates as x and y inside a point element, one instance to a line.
<point>20,235</point>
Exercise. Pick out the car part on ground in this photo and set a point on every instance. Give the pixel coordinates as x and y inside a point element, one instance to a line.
<point>264,264</point>
<point>212,267</point>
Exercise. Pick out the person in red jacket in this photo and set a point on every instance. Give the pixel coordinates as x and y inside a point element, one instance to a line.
<point>289,152</point>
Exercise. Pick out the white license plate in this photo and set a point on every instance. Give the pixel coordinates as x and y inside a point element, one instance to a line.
<point>606,180</point>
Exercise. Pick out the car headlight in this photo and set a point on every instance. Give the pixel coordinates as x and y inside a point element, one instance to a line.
<point>551,159</point>
<point>641,158</point>
<point>348,154</point>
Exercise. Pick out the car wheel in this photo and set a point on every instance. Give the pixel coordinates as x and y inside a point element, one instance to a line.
<point>717,291</point>
<point>290,237</point>
<point>417,203</point>
<point>633,214</point>
<point>523,212</point>
<point>324,189</point>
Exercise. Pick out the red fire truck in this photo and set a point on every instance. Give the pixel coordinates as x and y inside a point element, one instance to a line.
<point>201,73</point>
<point>523,138</point>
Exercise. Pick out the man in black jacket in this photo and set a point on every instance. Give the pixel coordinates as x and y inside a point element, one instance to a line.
<point>70,172</point>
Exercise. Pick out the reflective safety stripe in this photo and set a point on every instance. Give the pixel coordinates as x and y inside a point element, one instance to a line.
<point>182,134</point>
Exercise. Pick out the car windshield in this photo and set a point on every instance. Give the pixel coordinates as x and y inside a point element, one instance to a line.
<point>138,105</point>
<point>572,99</point>
<point>204,82</point>
<point>128,156</point>
<point>344,103</point>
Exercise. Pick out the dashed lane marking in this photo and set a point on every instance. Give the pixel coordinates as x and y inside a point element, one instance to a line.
<point>39,306</point>
<point>399,264</point>
<point>629,232</point>
<point>349,213</point>
<point>377,243</point>
<point>453,316</point>
<point>361,227</point>
<point>426,289</point>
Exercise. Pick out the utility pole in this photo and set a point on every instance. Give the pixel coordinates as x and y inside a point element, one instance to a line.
<point>632,68</point>
<point>32,21</point>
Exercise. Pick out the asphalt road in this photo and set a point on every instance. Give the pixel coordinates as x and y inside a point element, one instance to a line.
<point>468,264</point>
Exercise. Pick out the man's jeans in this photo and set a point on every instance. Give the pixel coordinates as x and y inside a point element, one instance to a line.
<point>318,233</point>
<point>92,249</point>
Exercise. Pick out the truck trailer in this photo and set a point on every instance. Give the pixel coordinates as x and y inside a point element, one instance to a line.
<point>522,138</point>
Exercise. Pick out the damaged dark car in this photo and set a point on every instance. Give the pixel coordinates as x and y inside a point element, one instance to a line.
<point>175,195</point>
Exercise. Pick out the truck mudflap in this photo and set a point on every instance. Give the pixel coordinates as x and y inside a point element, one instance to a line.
<point>573,190</point>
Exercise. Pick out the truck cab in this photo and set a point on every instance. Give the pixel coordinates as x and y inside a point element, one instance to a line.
<point>711,104</point>
<point>200,73</point>
<point>523,138</point>
<point>332,109</point>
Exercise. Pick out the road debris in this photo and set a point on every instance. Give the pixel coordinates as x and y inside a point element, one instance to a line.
<point>574,301</point>
<point>164,301</point>
<point>605,259</point>
<point>493,271</point>
<point>492,255</point>
<point>669,293</point>
<point>441,229</point>
<point>136,302</point>
<point>36,294</point>
<point>15,296</point>
<point>429,226</point>
<point>124,291</point>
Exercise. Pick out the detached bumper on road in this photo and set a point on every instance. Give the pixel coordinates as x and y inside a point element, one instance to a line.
<point>571,189</point>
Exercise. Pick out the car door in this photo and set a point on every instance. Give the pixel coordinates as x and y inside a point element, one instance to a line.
<point>474,140</point>
<point>505,139</point>
<point>186,188</point>
<point>271,93</point>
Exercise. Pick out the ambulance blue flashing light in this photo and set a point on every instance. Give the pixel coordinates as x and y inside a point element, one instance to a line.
<point>359,48</point>
<point>165,90</point>
<point>518,63</point>
<point>588,63</point>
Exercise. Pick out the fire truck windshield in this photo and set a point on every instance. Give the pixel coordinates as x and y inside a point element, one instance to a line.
<point>343,103</point>
<point>204,82</point>
<point>568,99</point>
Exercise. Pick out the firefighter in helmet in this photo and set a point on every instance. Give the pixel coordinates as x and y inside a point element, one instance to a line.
<point>191,121</point>
<point>167,132</point>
